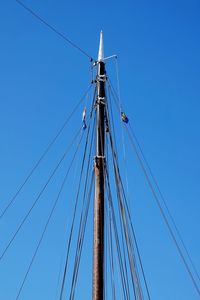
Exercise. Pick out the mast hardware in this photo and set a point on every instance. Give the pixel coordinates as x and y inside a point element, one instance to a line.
<point>100,100</point>
<point>101,77</point>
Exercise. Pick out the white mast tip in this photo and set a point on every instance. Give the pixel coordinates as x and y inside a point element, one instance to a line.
<point>101,50</point>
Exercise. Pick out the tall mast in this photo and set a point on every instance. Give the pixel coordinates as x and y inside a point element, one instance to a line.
<point>98,243</point>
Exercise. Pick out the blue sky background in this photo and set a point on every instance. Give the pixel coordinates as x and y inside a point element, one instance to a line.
<point>42,78</point>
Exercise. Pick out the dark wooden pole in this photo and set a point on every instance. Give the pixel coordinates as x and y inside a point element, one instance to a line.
<point>98,244</point>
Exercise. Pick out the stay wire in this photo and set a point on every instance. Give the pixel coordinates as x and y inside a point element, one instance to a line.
<point>112,129</point>
<point>111,255</point>
<point>164,216</point>
<point>167,208</point>
<point>38,197</point>
<point>48,221</point>
<point>122,129</point>
<point>64,37</point>
<point>132,263</point>
<point>81,239</point>
<point>115,96</point>
<point>110,117</point>
<point>71,232</point>
<point>134,275</point>
<point>164,202</point>
<point>75,209</point>
<point>140,261</point>
<point>134,238</point>
<point>102,150</point>
<point>108,255</point>
<point>119,107</point>
<point>84,213</point>
<point>114,252</point>
<point>109,242</point>
<point>122,272</point>
<point>106,263</point>
<point>111,125</point>
<point>133,232</point>
<point>43,154</point>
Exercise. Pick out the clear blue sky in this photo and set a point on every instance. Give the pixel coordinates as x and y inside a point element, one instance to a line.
<point>41,79</point>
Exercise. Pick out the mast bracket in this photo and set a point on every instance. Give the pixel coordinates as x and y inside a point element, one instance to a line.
<point>98,159</point>
<point>100,100</point>
<point>101,78</point>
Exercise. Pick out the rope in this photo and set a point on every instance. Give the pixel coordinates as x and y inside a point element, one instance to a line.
<point>81,239</point>
<point>109,253</point>
<point>47,222</point>
<point>164,216</point>
<point>83,220</point>
<point>134,275</point>
<point>37,198</point>
<point>74,213</point>
<point>135,240</point>
<point>134,237</point>
<point>110,116</point>
<point>114,223</point>
<point>122,128</point>
<point>43,154</point>
<point>119,183</point>
<point>111,257</point>
<point>165,203</point>
<point>160,207</point>
<point>54,29</point>
<point>111,125</point>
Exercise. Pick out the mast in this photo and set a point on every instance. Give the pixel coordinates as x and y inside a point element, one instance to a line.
<point>98,242</point>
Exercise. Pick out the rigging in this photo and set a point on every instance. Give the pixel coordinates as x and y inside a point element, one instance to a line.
<point>165,218</point>
<point>50,145</point>
<point>114,233</point>
<point>49,219</point>
<point>64,37</point>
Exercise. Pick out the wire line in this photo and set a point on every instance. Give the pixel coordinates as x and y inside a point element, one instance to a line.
<point>48,221</point>
<point>83,219</point>
<point>38,197</point>
<point>75,209</point>
<point>43,154</point>
<point>164,215</point>
<point>64,37</point>
<point>115,97</point>
<point>165,203</point>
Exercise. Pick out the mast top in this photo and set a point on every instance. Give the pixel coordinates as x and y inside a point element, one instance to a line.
<point>101,50</point>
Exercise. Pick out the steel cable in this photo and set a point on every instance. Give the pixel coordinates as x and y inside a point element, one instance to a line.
<point>43,155</point>
<point>48,221</point>
<point>164,202</point>
<point>160,207</point>
<point>112,131</point>
<point>164,216</point>
<point>54,29</point>
<point>122,272</point>
<point>38,197</point>
<point>75,209</point>
<point>83,219</point>
<point>119,182</point>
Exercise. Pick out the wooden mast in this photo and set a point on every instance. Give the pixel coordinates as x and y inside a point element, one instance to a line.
<point>98,243</point>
